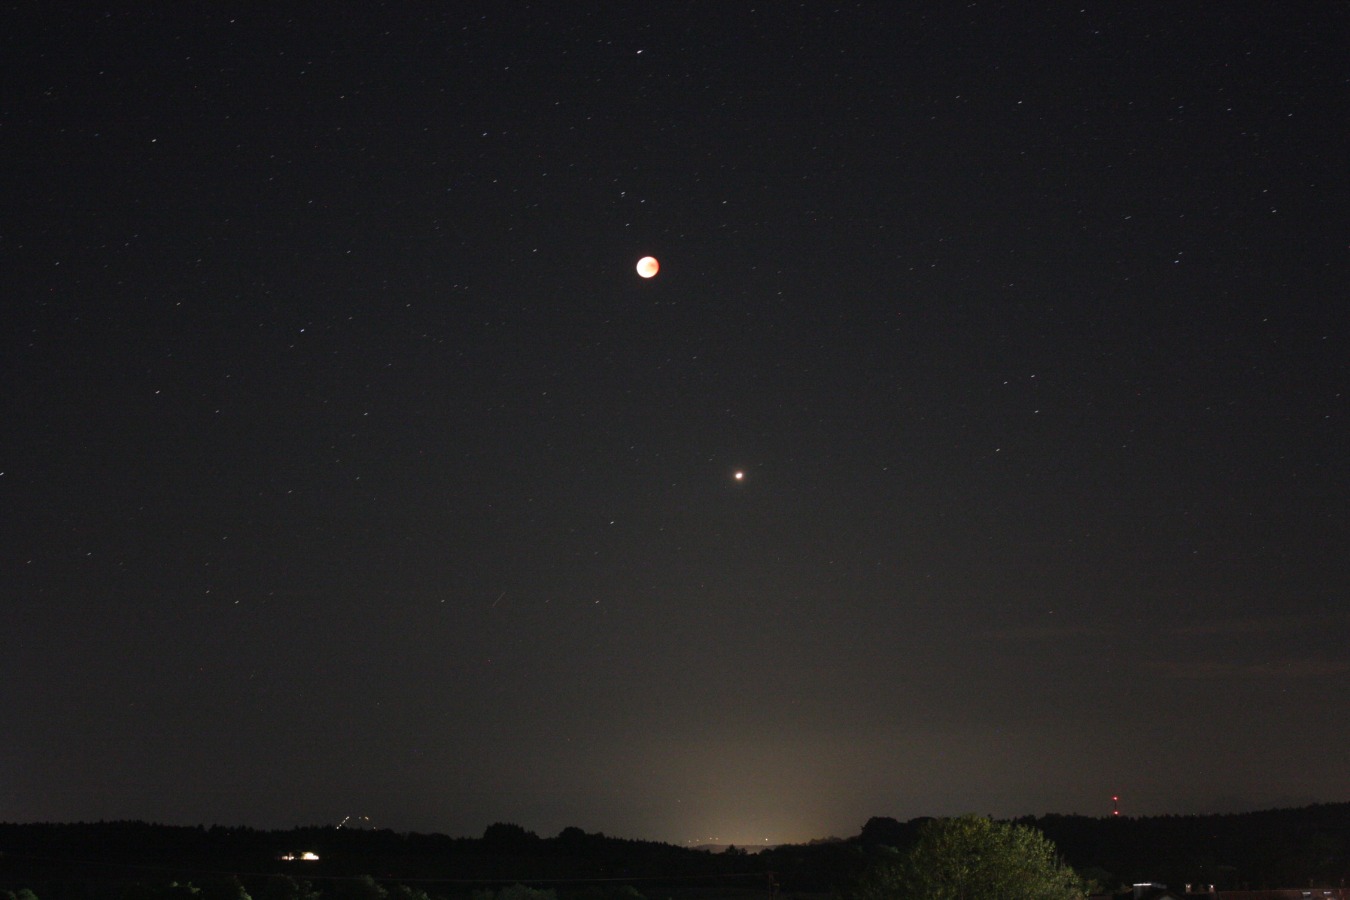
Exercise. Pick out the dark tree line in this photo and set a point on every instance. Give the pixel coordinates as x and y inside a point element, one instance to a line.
<point>1282,848</point>
<point>111,861</point>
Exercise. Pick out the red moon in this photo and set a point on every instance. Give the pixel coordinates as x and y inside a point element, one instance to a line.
<point>648,266</point>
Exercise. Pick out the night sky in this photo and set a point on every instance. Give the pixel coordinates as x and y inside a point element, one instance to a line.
<point>347,466</point>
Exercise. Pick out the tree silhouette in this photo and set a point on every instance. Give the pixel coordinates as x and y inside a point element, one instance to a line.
<point>509,837</point>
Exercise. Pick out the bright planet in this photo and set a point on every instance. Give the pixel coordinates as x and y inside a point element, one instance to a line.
<point>648,266</point>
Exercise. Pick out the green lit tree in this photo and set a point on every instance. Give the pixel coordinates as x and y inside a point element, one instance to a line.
<point>516,892</point>
<point>227,888</point>
<point>973,858</point>
<point>174,890</point>
<point>361,888</point>
<point>283,887</point>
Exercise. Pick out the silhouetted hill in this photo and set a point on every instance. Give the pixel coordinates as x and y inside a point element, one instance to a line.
<point>98,861</point>
<point>107,854</point>
<point>1266,849</point>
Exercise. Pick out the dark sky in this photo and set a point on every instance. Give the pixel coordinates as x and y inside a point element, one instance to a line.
<point>347,467</point>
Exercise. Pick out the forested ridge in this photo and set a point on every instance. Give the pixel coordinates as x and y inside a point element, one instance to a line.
<point>112,860</point>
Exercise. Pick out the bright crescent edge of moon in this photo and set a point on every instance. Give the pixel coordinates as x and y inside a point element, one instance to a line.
<point>648,266</point>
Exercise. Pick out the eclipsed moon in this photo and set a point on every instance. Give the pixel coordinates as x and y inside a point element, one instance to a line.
<point>648,266</point>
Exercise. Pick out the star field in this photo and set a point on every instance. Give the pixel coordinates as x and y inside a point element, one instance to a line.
<point>979,445</point>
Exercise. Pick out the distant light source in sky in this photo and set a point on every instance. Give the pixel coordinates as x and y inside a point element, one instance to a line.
<point>738,475</point>
<point>648,266</point>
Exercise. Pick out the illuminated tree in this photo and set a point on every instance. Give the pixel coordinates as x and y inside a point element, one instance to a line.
<point>362,888</point>
<point>972,858</point>
<point>517,892</point>
<point>283,887</point>
<point>229,888</point>
<point>174,890</point>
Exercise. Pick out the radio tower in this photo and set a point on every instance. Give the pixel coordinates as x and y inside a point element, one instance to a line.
<point>1115,804</point>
